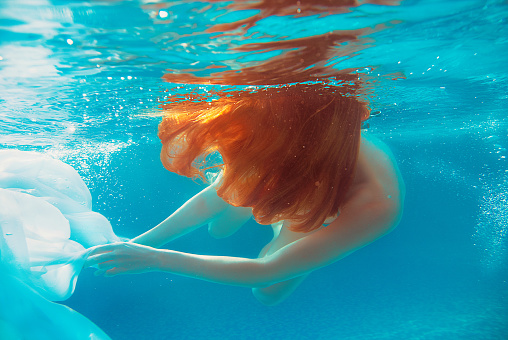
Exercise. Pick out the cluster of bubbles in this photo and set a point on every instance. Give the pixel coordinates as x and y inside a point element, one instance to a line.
<point>491,235</point>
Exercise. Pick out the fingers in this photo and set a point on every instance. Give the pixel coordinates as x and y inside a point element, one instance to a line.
<point>104,248</point>
<point>105,258</point>
<point>101,253</point>
<point>98,259</point>
<point>109,272</point>
<point>106,268</point>
<point>106,273</point>
<point>114,272</point>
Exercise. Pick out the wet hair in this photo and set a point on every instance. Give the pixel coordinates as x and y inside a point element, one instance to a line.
<point>289,152</point>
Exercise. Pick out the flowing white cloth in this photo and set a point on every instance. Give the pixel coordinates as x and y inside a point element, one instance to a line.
<point>46,225</point>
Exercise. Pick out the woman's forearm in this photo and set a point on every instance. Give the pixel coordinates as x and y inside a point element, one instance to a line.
<point>196,212</point>
<point>234,271</point>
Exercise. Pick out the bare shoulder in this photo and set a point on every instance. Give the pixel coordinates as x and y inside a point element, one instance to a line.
<point>379,184</point>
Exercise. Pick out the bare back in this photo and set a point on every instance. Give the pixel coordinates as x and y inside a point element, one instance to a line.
<point>376,171</point>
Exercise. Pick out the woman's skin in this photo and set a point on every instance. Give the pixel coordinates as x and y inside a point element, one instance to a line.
<point>373,208</point>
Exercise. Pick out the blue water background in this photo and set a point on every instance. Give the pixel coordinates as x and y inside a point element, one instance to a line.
<point>442,274</point>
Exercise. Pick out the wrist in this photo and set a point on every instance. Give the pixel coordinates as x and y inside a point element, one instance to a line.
<point>161,259</point>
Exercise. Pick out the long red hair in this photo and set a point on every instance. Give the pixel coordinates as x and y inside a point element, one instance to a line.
<point>288,152</point>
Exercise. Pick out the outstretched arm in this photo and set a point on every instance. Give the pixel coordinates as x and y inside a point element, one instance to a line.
<point>196,212</point>
<point>360,222</point>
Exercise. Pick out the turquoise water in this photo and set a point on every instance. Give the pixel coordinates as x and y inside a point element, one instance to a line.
<point>81,80</point>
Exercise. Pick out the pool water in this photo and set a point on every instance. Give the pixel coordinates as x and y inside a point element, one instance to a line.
<point>83,83</point>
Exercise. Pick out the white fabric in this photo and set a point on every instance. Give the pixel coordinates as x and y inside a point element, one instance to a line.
<point>46,224</point>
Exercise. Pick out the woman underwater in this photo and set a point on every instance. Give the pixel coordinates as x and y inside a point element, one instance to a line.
<point>293,157</point>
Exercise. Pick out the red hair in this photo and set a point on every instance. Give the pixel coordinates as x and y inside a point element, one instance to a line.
<point>289,153</point>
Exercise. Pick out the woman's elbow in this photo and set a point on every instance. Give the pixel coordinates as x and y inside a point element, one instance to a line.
<point>262,274</point>
<point>389,215</point>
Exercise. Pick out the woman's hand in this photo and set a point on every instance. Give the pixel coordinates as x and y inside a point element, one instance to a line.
<point>123,258</point>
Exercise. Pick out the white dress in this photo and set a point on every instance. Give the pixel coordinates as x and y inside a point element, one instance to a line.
<point>46,226</point>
